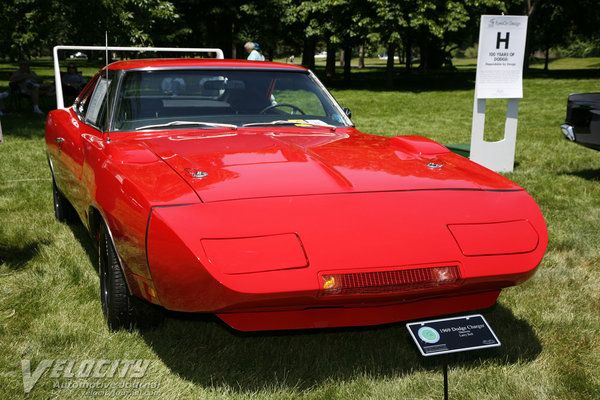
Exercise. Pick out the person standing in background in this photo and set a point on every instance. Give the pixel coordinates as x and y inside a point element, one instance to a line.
<point>253,52</point>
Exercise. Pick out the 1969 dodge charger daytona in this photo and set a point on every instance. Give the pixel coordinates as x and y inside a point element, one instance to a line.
<point>242,189</point>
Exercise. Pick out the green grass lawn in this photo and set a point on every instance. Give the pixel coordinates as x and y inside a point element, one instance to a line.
<point>549,326</point>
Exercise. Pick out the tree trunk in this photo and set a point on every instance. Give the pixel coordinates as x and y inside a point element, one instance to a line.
<point>361,56</point>
<point>347,63</point>
<point>233,48</point>
<point>330,64</point>
<point>527,55</point>
<point>308,54</point>
<point>433,55</point>
<point>389,67</point>
<point>529,9</point>
<point>547,57</point>
<point>408,55</point>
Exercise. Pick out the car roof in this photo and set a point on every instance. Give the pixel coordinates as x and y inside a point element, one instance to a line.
<point>199,62</point>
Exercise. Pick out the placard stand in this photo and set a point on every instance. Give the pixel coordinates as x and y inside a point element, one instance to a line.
<point>452,335</point>
<point>498,156</point>
<point>445,377</point>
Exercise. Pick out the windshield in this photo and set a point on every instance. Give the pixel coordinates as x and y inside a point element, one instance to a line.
<point>150,99</point>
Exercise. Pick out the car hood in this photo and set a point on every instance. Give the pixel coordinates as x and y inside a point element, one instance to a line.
<point>226,165</point>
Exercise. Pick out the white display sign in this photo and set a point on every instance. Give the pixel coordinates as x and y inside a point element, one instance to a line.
<point>500,57</point>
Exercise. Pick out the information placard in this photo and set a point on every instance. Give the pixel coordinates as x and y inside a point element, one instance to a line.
<point>500,57</point>
<point>452,335</point>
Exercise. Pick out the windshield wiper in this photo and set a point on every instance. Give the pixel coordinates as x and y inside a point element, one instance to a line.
<point>185,123</point>
<point>283,122</point>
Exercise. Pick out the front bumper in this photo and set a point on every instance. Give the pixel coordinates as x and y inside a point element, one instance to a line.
<point>568,131</point>
<point>340,234</point>
<point>324,317</point>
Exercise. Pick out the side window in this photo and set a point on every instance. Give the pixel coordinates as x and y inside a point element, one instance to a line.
<point>96,102</point>
<point>82,100</point>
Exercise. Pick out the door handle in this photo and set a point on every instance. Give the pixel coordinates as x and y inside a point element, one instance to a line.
<point>60,141</point>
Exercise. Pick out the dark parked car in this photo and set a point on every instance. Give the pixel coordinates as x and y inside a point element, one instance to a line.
<point>583,120</point>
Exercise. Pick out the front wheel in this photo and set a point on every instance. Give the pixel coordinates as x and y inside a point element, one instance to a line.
<point>121,309</point>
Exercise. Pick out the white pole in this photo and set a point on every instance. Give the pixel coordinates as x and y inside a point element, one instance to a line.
<point>57,80</point>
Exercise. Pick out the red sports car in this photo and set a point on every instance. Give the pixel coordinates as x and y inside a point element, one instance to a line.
<point>242,189</point>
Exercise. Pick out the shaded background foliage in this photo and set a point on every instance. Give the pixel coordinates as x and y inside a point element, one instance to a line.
<point>431,29</point>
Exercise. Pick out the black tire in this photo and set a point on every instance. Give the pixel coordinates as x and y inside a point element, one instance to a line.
<point>61,205</point>
<point>121,309</point>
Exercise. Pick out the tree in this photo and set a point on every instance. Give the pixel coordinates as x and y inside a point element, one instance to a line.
<point>33,27</point>
<point>555,23</point>
<point>442,24</point>
<point>435,27</point>
<point>256,26</point>
<point>351,21</point>
<point>314,22</point>
<point>28,26</point>
<point>391,26</point>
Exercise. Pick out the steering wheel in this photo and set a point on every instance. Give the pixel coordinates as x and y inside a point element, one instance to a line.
<point>293,107</point>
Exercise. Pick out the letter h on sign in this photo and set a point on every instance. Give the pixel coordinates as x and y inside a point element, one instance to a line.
<point>500,40</point>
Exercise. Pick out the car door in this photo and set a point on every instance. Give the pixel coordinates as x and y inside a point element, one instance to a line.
<point>64,144</point>
<point>69,155</point>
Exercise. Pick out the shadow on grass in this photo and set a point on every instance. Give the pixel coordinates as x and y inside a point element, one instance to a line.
<point>23,125</point>
<point>374,79</point>
<point>202,350</point>
<point>590,73</point>
<point>588,174</point>
<point>17,257</point>
<point>81,233</point>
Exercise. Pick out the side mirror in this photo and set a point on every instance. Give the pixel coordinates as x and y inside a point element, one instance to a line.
<point>347,111</point>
